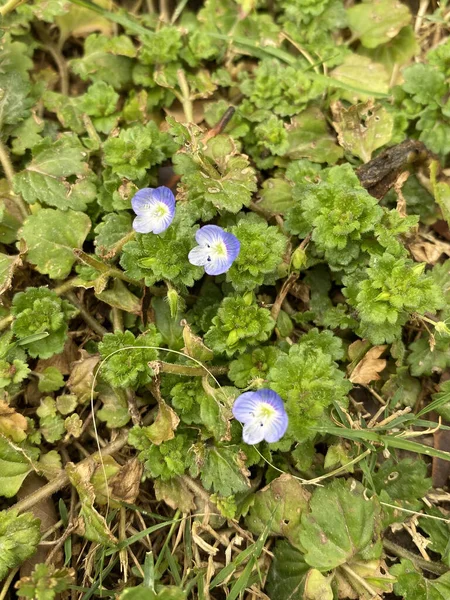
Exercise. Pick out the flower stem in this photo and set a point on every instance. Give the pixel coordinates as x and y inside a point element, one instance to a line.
<point>9,7</point>
<point>431,567</point>
<point>9,174</point>
<point>186,96</point>
<point>5,322</point>
<point>87,317</point>
<point>164,367</point>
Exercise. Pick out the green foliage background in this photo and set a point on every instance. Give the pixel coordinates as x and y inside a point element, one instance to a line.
<point>262,118</point>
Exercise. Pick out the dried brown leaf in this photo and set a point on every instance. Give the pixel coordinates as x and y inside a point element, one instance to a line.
<point>368,368</point>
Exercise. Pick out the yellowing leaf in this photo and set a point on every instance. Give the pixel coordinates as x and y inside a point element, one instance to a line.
<point>362,128</point>
<point>378,21</point>
<point>368,368</point>
<point>12,424</point>
<point>164,425</point>
<point>79,21</point>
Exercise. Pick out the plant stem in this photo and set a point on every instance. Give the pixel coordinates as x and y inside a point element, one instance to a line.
<point>88,318</point>
<point>9,174</point>
<point>7,583</point>
<point>186,96</point>
<point>9,7</point>
<point>5,322</point>
<point>62,479</point>
<point>431,567</point>
<point>164,367</point>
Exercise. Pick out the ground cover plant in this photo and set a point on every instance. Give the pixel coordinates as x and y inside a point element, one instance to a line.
<point>225,300</point>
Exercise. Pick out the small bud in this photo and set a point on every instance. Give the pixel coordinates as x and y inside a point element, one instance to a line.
<point>172,299</point>
<point>383,296</point>
<point>418,269</point>
<point>248,298</point>
<point>442,328</point>
<point>298,258</point>
<point>233,338</point>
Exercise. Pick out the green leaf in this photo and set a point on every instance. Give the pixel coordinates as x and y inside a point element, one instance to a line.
<point>168,326</point>
<point>356,69</point>
<point>19,538</point>
<point>136,149</point>
<point>128,358</point>
<point>239,323</point>
<point>342,526</point>
<point>276,195</point>
<point>398,51</point>
<point>375,22</point>
<point>27,135</point>
<point>165,256</point>
<point>113,229</point>
<point>50,380</point>
<point>14,100</point>
<point>68,110</point>
<point>51,423</point>
<point>309,137</point>
<point>168,592</point>
<point>363,128</point>
<point>261,253</point>
<point>51,237</point>
<point>441,191</point>
<point>411,585</point>
<point>45,582</point>
<point>106,59</point>
<point>45,177</point>
<point>287,573</point>
<point>438,532</point>
<point>14,467</point>
<point>223,470</point>
<point>425,84</point>
<point>404,480</point>
<point>39,311</point>
<point>119,296</point>
<point>283,500</point>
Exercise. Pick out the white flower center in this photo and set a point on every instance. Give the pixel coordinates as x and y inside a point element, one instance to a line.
<point>265,414</point>
<point>216,250</point>
<point>158,210</point>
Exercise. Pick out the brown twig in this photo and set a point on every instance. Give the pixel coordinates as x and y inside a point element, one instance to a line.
<point>220,126</point>
<point>282,295</point>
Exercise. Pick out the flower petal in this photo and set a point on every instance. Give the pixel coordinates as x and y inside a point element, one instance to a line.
<point>145,223</point>
<point>253,432</point>
<point>209,235</point>
<point>272,398</point>
<point>217,265</point>
<point>198,256</point>
<point>275,430</point>
<point>164,194</point>
<point>233,246</point>
<point>245,406</point>
<point>141,199</point>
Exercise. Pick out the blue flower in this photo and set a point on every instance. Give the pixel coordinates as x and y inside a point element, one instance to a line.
<point>216,250</point>
<point>155,209</point>
<point>263,415</point>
